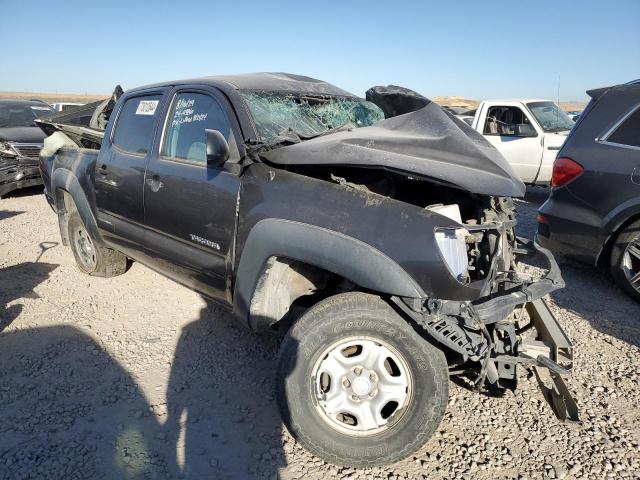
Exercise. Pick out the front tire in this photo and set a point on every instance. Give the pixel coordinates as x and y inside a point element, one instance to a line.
<point>91,258</point>
<point>357,385</point>
<point>625,260</point>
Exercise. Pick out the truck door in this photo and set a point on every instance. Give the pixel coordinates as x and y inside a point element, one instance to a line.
<point>119,173</point>
<point>190,208</point>
<point>511,131</point>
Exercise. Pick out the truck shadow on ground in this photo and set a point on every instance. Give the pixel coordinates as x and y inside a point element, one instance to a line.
<point>18,282</point>
<point>70,410</point>
<point>590,292</point>
<point>4,214</point>
<point>25,192</point>
<point>228,414</point>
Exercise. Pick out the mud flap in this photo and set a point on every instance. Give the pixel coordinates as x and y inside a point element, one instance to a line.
<point>553,353</point>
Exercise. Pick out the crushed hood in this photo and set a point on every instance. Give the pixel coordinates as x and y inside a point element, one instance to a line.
<point>426,143</point>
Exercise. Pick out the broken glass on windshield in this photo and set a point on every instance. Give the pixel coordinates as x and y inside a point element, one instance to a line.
<point>279,115</point>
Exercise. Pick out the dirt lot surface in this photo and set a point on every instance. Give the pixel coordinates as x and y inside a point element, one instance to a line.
<point>138,377</point>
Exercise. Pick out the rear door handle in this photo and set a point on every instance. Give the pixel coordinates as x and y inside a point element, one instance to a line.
<point>154,183</point>
<point>635,176</point>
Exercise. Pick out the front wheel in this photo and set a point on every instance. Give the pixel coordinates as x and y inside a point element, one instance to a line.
<point>90,258</point>
<point>357,385</point>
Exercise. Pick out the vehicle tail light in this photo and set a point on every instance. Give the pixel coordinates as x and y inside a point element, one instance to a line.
<point>564,170</point>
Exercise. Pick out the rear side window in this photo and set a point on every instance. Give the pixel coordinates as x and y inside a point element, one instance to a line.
<point>190,115</point>
<point>628,132</point>
<point>134,128</point>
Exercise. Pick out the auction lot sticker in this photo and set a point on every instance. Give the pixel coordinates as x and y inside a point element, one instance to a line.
<point>147,107</point>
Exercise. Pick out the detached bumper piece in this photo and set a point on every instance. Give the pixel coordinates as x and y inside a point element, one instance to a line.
<point>553,352</point>
<point>16,173</point>
<point>496,333</point>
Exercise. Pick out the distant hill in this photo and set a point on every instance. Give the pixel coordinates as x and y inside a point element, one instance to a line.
<point>87,98</point>
<point>54,97</point>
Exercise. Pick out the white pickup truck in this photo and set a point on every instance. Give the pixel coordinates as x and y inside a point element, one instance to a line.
<point>527,132</point>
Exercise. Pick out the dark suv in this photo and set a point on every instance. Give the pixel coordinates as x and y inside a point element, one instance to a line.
<point>20,143</point>
<point>384,250</point>
<point>593,211</point>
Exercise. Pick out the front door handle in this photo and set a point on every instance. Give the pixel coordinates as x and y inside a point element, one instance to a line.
<point>154,183</point>
<point>102,169</point>
<point>635,176</point>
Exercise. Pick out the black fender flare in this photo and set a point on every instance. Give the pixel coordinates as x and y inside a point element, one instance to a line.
<point>65,180</point>
<point>341,254</point>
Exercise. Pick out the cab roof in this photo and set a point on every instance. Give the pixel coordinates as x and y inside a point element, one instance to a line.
<point>263,81</point>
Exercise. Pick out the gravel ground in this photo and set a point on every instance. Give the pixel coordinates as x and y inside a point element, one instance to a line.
<point>138,377</point>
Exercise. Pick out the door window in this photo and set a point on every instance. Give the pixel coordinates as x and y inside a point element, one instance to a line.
<point>508,122</point>
<point>134,129</point>
<point>190,115</point>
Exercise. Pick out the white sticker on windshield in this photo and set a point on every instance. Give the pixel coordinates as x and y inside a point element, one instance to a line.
<point>147,107</point>
<point>46,109</point>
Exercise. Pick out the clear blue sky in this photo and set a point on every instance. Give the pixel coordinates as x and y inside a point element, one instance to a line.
<point>475,49</point>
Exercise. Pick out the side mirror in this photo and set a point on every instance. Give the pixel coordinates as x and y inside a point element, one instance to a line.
<point>217,148</point>
<point>525,130</point>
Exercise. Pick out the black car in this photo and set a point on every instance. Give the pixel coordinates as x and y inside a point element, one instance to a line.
<point>20,143</point>
<point>593,212</point>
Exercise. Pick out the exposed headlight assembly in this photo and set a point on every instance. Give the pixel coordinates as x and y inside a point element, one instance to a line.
<point>451,242</point>
<point>454,251</point>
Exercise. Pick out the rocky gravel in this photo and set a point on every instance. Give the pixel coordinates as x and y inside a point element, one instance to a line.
<point>138,377</point>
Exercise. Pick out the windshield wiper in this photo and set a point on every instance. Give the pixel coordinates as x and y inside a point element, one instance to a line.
<point>347,127</point>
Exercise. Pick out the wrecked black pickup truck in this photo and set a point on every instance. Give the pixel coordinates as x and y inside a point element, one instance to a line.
<point>383,249</point>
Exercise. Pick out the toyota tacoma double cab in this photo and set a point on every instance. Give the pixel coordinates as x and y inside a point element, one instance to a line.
<point>376,235</point>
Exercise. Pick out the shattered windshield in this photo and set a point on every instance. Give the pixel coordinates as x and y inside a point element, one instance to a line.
<point>551,117</point>
<point>16,115</point>
<point>278,115</point>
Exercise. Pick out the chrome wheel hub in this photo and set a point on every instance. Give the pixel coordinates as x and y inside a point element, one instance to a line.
<point>631,263</point>
<point>361,386</point>
<point>85,248</point>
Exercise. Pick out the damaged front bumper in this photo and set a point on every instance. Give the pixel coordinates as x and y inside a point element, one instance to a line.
<point>18,172</point>
<point>511,326</point>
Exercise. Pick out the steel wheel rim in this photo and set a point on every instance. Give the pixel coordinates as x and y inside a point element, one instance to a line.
<point>362,386</point>
<point>631,263</point>
<point>85,248</point>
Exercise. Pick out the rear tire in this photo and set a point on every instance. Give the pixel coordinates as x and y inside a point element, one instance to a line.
<point>383,406</point>
<point>625,260</point>
<point>90,258</point>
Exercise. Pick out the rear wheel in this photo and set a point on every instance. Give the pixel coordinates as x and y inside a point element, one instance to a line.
<point>357,385</point>
<point>90,258</point>
<point>625,260</point>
